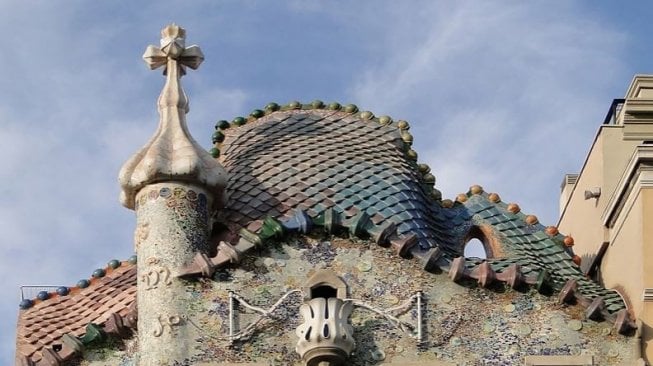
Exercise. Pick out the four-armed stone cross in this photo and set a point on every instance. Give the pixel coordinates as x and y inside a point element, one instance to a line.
<point>173,47</point>
<point>175,56</point>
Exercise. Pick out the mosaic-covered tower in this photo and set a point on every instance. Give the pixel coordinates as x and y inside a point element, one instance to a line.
<point>171,183</point>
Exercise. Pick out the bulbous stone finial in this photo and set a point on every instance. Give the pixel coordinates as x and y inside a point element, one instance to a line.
<point>172,154</point>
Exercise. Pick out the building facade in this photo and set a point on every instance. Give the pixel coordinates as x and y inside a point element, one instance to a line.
<point>310,234</point>
<point>608,206</point>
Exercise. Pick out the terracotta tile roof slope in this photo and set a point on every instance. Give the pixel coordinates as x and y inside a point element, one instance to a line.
<point>44,324</point>
<point>317,159</point>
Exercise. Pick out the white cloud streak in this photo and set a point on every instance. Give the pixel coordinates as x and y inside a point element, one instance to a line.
<point>505,94</point>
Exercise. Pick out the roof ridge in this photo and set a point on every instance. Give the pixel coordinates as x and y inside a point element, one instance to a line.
<point>536,247</point>
<point>566,242</point>
<point>81,284</point>
<point>424,170</point>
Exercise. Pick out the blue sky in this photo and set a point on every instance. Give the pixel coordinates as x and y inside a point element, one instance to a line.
<point>506,94</point>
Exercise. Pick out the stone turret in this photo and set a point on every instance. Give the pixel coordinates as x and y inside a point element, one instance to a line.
<point>173,184</point>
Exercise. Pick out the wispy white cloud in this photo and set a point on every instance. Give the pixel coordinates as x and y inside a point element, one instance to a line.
<point>505,94</point>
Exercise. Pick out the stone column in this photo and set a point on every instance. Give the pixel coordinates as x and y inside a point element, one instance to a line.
<point>172,225</point>
<point>173,184</point>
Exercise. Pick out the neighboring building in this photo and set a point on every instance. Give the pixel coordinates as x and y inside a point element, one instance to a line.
<point>608,207</point>
<point>310,235</point>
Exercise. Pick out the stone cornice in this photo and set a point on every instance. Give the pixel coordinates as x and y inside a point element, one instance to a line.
<point>637,175</point>
<point>638,106</point>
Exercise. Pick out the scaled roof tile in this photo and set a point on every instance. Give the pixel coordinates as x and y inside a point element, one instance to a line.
<point>42,325</point>
<point>339,153</point>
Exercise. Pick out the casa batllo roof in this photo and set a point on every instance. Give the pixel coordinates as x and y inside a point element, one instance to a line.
<point>307,168</point>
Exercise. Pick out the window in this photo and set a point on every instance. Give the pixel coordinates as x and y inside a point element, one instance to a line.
<point>481,242</point>
<point>475,248</point>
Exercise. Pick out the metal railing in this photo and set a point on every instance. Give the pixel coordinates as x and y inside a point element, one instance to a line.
<point>613,112</point>
<point>30,292</point>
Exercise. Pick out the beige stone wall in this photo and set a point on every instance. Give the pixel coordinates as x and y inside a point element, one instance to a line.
<point>622,267</point>
<point>646,314</point>
<point>605,165</point>
<point>581,218</point>
<point>647,331</point>
<point>616,154</point>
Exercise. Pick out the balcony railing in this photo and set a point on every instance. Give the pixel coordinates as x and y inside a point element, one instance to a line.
<point>30,292</point>
<point>613,112</point>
